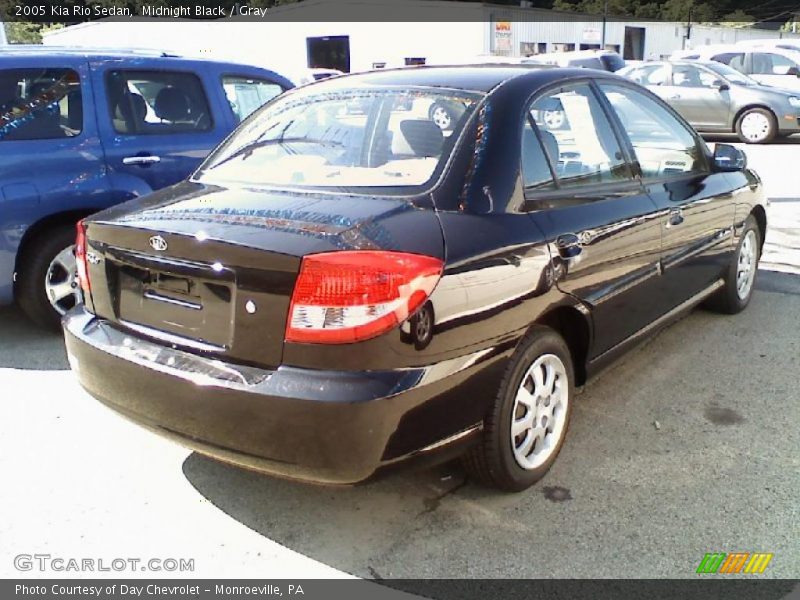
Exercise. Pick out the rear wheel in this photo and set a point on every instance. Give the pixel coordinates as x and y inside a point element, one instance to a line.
<point>741,274</point>
<point>47,285</point>
<point>527,424</point>
<point>756,126</point>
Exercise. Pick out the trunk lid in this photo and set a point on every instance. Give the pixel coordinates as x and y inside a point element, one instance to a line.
<point>212,269</point>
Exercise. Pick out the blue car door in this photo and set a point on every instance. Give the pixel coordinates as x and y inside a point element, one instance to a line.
<point>51,158</point>
<point>157,121</point>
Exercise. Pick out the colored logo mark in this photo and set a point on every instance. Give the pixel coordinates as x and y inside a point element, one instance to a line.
<point>735,562</point>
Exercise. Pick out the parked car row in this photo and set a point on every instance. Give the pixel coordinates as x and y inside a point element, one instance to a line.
<point>749,88</point>
<point>716,98</point>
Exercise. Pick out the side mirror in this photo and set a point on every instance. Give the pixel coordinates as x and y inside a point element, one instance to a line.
<point>722,86</point>
<point>729,158</point>
<point>793,71</point>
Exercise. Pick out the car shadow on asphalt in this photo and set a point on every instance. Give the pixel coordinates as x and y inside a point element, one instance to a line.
<point>23,345</point>
<point>345,527</point>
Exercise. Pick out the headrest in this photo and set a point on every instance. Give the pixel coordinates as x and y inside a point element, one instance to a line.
<point>75,110</point>
<point>172,104</point>
<point>132,109</point>
<point>423,136</point>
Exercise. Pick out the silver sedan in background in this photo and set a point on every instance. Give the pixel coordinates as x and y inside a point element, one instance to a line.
<point>715,98</point>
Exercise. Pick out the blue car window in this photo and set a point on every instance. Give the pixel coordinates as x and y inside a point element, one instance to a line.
<point>157,102</point>
<point>246,95</point>
<point>37,104</point>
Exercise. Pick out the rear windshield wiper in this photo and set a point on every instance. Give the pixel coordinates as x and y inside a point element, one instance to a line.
<point>249,148</point>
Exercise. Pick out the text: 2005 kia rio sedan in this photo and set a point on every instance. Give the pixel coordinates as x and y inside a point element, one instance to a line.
<point>343,285</point>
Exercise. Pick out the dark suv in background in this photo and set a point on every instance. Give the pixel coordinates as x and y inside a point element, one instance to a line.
<point>81,130</point>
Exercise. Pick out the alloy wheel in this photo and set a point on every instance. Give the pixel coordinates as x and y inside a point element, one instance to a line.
<point>755,127</point>
<point>746,265</point>
<point>540,412</point>
<point>61,283</point>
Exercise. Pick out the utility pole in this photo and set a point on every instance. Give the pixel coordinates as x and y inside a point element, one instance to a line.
<point>688,28</point>
<point>605,17</point>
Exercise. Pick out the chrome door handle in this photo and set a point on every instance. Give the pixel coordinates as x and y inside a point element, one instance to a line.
<point>569,245</point>
<point>675,217</point>
<point>141,160</point>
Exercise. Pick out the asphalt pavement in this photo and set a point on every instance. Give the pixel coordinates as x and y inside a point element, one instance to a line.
<point>687,445</point>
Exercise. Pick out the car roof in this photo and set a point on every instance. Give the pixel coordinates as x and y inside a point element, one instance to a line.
<point>39,50</point>
<point>12,51</point>
<point>695,61</point>
<point>477,78</point>
<point>723,48</point>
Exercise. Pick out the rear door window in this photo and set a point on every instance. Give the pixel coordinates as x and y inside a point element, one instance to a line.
<point>584,148</point>
<point>157,102</point>
<point>732,59</point>
<point>37,104</point>
<point>691,76</point>
<point>650,75</point>
<point>247,94</point>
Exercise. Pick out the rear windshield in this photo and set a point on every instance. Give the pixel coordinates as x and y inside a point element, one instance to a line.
<point>351,138</point>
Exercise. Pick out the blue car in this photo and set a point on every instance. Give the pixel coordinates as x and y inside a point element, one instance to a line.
<point>81,130</point>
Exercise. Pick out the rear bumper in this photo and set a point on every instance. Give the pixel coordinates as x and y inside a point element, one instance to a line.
<point>320,426</point>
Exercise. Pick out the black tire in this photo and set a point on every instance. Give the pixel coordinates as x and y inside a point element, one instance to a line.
<point>30,290</point>
<point>771,132</point>
<point>492,460</point>
<point>727,300</point>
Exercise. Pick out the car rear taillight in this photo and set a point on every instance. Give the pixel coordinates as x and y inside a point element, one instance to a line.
<point>349,296</point>
<point>80,258</point>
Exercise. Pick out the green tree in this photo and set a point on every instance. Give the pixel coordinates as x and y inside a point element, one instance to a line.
<point>737,18</point>
<point>679,10</point>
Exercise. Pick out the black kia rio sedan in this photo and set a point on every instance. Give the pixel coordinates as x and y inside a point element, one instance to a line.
<point>343,285</point>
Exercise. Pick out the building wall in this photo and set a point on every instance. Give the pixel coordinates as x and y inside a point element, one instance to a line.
<point>282,46</point>
<point>536,26</point>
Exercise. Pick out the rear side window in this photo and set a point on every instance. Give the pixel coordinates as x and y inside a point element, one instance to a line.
<point>536,173</point>
<point>38,104</point>
<point>584,148</point>
<point>663,145</point>
<point>245,94</point>
<point>157,102</point>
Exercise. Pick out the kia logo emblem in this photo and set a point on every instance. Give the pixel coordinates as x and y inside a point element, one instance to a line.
<point>158,243</point>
